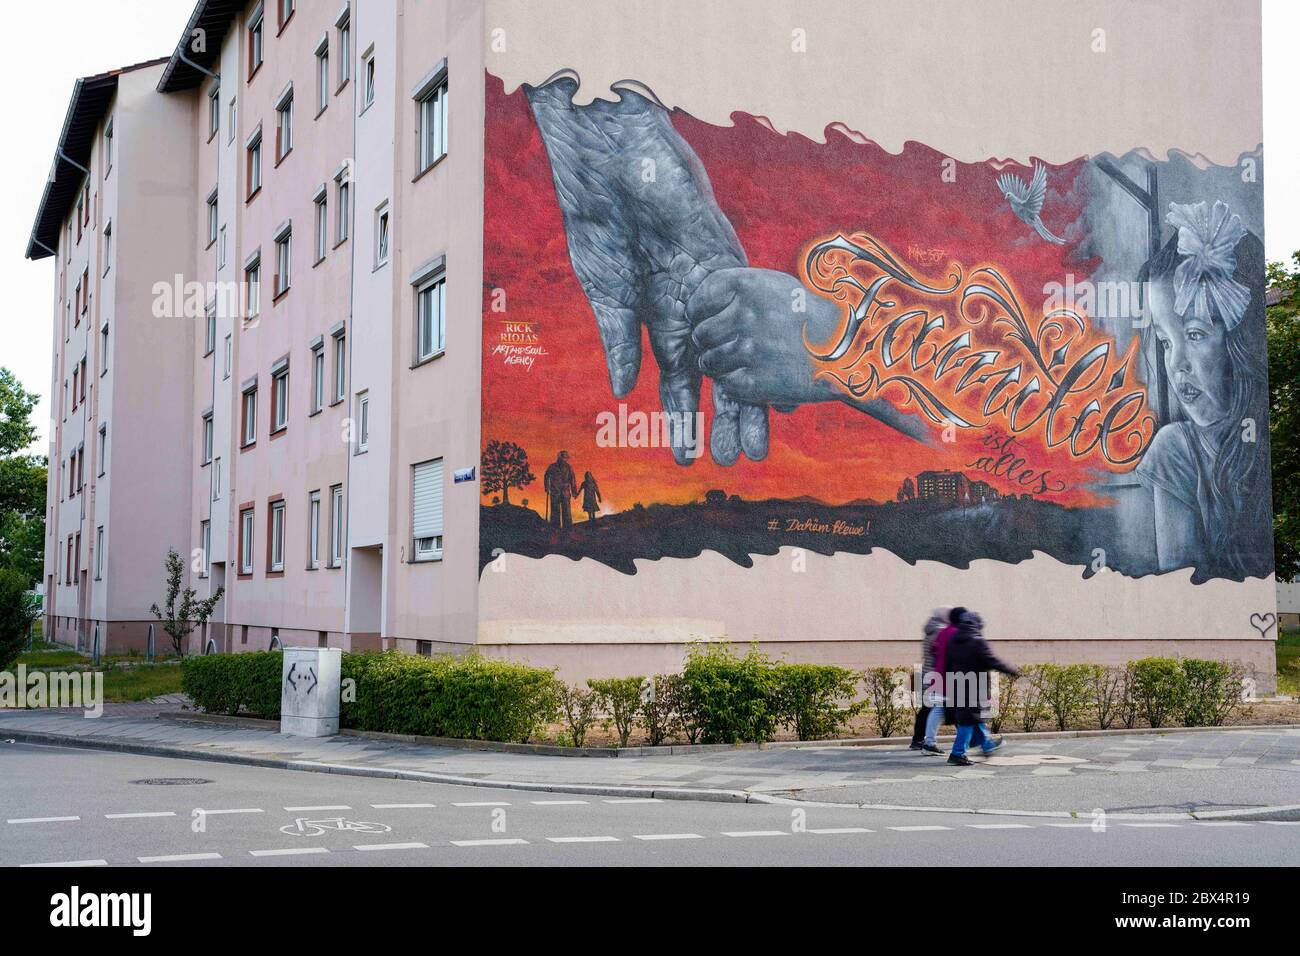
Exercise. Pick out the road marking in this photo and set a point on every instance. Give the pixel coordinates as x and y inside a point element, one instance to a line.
<point>584,839</point>
<point>918,829</point>
<point>44,820</point>
<point>482,803</point>
<point>179,858</point>
<point>1221,823</point>
<point>502,842</point>
<point>829,830</point>
<point>633,800</point>
<point>137,816</point>
<point>328,806</point>
<point>558,803</point>
<point>402,806</point>
<point>999,826</point>
<point>1071,826</point>
<point>72,863</point>
<point>215,813</point>
<point>291,851</point>
<point>392,846</point>
<point>667,836</point>
<point>1276,823</point>
<point>754,833</point>
<point>1150,826</point>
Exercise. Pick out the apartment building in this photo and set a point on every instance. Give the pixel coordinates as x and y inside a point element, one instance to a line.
<point>441,245</point>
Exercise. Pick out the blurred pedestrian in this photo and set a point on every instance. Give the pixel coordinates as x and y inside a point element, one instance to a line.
<point>968,661</point>
<point>930,712</point>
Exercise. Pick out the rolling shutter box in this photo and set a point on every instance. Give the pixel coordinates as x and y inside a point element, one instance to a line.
<point>427,500</point>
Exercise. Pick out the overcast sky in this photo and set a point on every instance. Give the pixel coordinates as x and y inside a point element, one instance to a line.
<point>53,42</point>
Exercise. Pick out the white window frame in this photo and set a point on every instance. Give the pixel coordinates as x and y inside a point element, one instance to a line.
<point>323,74</point>
<point>254,150</point>
<point>108,147</point>
<point>383,234</point>
<point>318,377</point>
<point>99,552</point>
<point>205,545</point>
<point>283,259</point>
<point>280,399</point>
<point>431,117</point>
<point>277,526</point>
<point>363,422</point>
<point>248,415</point>
<point>257,40</point>
<point>230,349</point>
<point>214,218</point>
<point>322,219</point>
<point>340,367</point>
<point>342,224</point>
<point>216,478</point>
<point>103,449</point>
<point>284,124</point>
<point>431,292</point>
<point>208,438</point>
<point>344,25</point>
<point>232,115</point>
<point>336,526</point>
<point>313,530</point>
<point>247,525</point>
<point>210,330</point>
<point>368,78</point>
<point>427,539</point>
<point>214,111</point>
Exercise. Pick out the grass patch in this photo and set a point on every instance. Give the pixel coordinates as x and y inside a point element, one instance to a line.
<point>1288,662</point>
<point>141,683</point>
<point>57,657</point>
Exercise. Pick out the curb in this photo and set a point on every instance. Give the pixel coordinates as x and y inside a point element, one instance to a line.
<point>1289,811</point>
<point>681,750</point>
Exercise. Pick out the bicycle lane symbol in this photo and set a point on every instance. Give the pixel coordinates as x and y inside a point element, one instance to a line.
<point>304,827</point>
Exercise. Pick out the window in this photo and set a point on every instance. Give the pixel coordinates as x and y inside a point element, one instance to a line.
<point>368,78</point>
<point>248,414</point>
<point>381,235</point>
<point>344,23</point>
<point>75,373</point>
<point>103,449</point>
<point>426,510</point>
<point>205,543</point>
<point>221,248</point>
<point>246,541</point>
<point>85,291</point>
<point>80,209</point>
<point>108,147</point>
<point>433,123</point>
<point>284,124</point>
<point>283,260</point>
<point>275,557</point>
<point>322,223</point>
<point>103,349</point>
<point>344,195</point>
<point>286,11</point>
<point>254,149</point>
<point>253,287</point>
<point>207,437</point>
<point>363,421</point>
<point>108,247</point>
<point>82,366</point>
<point>216,479</point>
<point>212,217</point>
<point>232,114</point>
<point>340,367</point>
<point>210,334</point>
<point>323,74</point>
<point>430,322</point>
<point>214,111</point>
<point>99,552</point>
<point>336,526</point>
<point>229,350</point>
<point>255,40</point>
<point>280,397</point>
<point>318,377</point>
<point>313,531</point>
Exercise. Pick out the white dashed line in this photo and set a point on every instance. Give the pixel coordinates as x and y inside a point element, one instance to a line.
<point>71,863</point>
<point>918,829</point>
<point>402,806</point>
<point>667,836</point>
<point>999,826</point>
<point>1221,823</point>
<point>332,806</point>
<point>558,803</point>
<point>1150,826</point>
<point>583,839</point>
<point>633,800</point>
<point>754,833</point>
<point>138,816</point>
<point>483,803</point>
<point>392,846</point>
<point>1276,823</point>
<point>44,820</point>
<point>831,830</point>
<point>217,813</point>
<point>503,842</point>
<point>1071,826</point>
<point>290,851</point>
<point>179,858</point>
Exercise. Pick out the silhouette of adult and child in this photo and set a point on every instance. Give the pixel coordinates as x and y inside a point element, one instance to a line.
<point>562,488</point>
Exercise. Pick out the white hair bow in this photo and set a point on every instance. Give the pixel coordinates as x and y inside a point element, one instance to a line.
<point>1208,238</point>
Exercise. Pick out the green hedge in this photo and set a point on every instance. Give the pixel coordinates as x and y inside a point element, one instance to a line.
<point>246,684</point>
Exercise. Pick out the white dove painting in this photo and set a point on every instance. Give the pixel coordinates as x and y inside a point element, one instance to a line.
<point>1027,199</point>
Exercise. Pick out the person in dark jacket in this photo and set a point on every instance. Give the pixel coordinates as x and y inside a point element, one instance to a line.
<point>930,713</point>
<point>968,662</point>
<point>561,488</point>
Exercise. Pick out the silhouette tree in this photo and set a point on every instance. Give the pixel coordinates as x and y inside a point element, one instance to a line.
<point>505,466</point>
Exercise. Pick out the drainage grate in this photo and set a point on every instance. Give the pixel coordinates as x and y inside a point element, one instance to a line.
<point>170,781</point>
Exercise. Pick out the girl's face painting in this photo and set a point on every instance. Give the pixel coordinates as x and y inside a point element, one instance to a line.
<point>1196,358</point>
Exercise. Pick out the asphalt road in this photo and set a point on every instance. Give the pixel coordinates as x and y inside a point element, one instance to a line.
<point>63,805</point>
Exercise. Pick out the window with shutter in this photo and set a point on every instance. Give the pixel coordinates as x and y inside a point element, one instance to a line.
<point>426,510</point>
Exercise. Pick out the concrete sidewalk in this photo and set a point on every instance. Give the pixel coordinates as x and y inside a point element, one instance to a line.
<point>1171,772</point>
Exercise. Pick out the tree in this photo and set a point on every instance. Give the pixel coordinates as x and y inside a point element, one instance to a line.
<point>182,613</point>
<point>22,483</point>
<point>1284,414</point>
<point>17,611</point>
<point>505,466</point>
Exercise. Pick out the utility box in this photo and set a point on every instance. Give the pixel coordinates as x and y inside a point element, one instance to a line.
<point>309,691</point>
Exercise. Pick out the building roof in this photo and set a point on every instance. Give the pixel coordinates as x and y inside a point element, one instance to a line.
<point>91,96</point>
<point>213,18</point>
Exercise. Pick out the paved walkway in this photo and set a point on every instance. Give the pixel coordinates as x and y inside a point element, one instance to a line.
<point>1175,771</point>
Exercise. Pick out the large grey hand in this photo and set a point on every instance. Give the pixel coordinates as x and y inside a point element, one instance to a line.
<point>644,231</point>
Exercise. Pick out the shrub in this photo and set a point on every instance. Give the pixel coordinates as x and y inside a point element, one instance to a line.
<point>1033,704</point>
<point>1212,692</point>
<point>660,712</point>
<point>730,698</point>
<point>16,615</point>
<point>1128,703</point>
<point>1008,686</point>
<point>234,683</point>
<point>578,709</point>
<point>620,699</point>
<point>1105,692</point>
<point>1064,691</point>
<point>1159,688</point>
<point>887,706</point>
<point>816,700</point>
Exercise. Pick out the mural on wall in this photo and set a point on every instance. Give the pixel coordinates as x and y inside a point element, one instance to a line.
<point>700,337</point>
